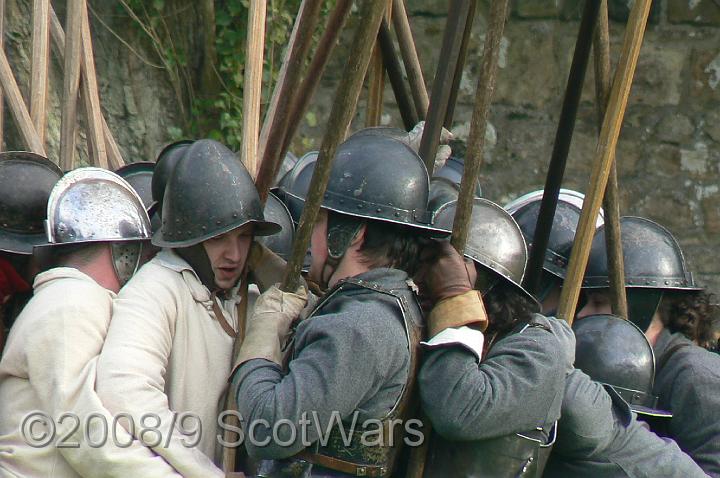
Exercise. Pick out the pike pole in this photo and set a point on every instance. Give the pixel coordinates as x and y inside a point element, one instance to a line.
<point>604,156</point>
<point>394,72</point>
<point>442,84</point>
<point>611,202</point>
<point>473,161</point>
<point>346,97</point>
<point>561,147</point>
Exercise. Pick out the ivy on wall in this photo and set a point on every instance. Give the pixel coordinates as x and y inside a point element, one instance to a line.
<point>201,45</point>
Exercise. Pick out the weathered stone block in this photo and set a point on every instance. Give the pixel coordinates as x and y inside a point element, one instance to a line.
<point>536,8</point>
<point>700,12</point>
<point>675,128</point>
<point>659,75</point>
<point>711,214</point>
<point>712,124</point>
<point>705,71</point>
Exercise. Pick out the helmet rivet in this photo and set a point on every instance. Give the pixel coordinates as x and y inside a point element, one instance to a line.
<point>235,215</point>
<point>397,214</point>
<point>342,201</point>
<point>327,196</point>
<point>378,210</point>
<point>204,228</point>
<point>218,222</point>
<point>359,206</point>
<point>667,282</point>
<point>177,221</point>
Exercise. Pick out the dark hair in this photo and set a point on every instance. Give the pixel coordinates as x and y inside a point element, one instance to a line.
<point>506,307</point>
<point>691,313</point>
<point>392,245</point>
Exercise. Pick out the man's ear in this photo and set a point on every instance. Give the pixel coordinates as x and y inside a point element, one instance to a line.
<point>359,238</point>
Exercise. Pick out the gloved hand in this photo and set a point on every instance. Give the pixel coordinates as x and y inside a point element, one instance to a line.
<point>444,273</point>
<point>446,280</point>
<point>443,152</point>
<point>269,324</point>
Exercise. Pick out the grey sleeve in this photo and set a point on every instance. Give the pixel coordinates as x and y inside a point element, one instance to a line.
<point>467,401</point>
<point>599,437</point>
<point>694,397</point>
<point>341,362</point>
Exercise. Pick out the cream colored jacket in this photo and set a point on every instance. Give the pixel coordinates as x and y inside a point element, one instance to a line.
<point>166,354</point>
<point>48,366</point>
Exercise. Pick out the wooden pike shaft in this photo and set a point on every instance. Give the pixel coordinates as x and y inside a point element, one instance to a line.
<point>315,71</point>
<point>462,56</point>
<point>40,60</point>
<point>401,23</point>
<point>18,108</point>
<point>376,83</point>
<point>57,34</point>
<point>604,154</point>
<point>252,90</point>
<point>476,140</point>
<point>611,202</point>
<point>561,147</point>
<point>91,97</point>
<point>442,84</point>
<point>276,120</point>
<point>71,83</point>
<point>346,97</point>
<point>394,71</point>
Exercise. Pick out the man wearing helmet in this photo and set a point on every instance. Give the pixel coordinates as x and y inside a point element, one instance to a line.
<point>658,284</point>
<point>351,361</point>
<point>169,348</point>
<point>96,225</point>
<point>25,183</point>
<point>489,348</point>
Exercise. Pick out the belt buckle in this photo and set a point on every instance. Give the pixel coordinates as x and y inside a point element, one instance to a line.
<point>360,471</point>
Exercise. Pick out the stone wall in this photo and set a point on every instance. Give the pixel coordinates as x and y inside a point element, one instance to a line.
<point>669,148</point>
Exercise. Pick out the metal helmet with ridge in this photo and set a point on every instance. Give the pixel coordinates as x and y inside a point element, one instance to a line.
<point>495,241</point>
<point>165,163</point>
<point>653,263</point>
<point>93,205</point>
<point>139,175</point>
<point>209,193</point>
<point>615,352</point>
<point>26,180</point>
<point>525,210</point>
<point>280,243</point>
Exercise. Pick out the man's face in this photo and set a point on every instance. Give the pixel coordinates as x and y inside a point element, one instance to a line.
<point>598,302</point>
<point>228,253</point>
<point>318,247</point>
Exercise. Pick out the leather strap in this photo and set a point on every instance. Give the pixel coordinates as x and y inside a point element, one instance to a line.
<point>669,353</point>
<point>220,316</point>
<point>341,465</point>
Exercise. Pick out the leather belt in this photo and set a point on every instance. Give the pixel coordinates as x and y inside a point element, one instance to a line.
<point>342,465</point>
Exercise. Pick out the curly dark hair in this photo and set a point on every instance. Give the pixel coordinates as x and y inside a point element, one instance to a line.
<point>392,245</point>
<point>691,313</point>
<point>506,307</point>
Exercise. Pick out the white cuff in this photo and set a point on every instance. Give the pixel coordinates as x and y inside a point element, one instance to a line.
<point>471,339</point>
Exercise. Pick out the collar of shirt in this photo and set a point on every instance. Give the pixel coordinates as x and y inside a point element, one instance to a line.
<point>58,273</point>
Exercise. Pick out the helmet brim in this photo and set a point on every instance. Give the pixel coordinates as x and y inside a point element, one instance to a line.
<point>262,228</point>
<point>651,412</point>
<point>16,243</point>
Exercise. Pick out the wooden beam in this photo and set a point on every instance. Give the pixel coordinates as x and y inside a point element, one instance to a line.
<point>39,69</point>
<point>611,201</point>
<point>460,67</point>
<point>394,72</point>
<point>604,154</point>
<point>401,23</point>
<point>275,125</point>
<point>91,97</point>
<point>71,82</point>
<point>376,82</point>
<point>252,89</point>
<point>17,107</point>
<point>57,35</point>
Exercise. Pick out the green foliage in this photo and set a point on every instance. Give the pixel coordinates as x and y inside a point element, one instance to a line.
<point>213,108</point>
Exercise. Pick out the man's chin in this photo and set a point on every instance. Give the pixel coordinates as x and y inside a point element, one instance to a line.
<point>227,283</point>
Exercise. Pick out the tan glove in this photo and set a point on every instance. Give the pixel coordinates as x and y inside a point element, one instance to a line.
<point>446,280</point>
<point>269,325</point>
<point>443,152</point>
<point>266,268</point>
<point>456,311</point>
